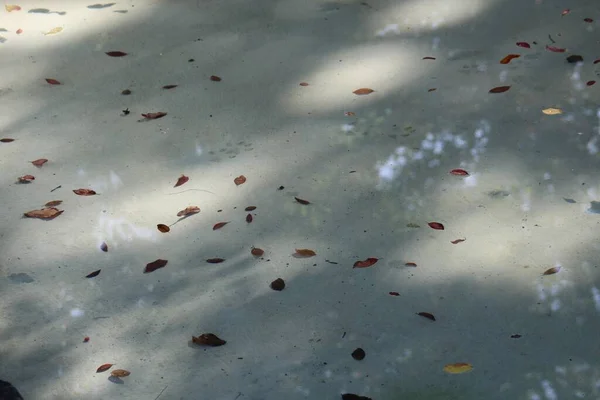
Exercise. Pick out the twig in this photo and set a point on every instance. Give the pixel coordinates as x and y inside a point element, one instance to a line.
<point>161,392</point>
<point>187,190</point>
<point>550,37</point>
<point>58,187</point>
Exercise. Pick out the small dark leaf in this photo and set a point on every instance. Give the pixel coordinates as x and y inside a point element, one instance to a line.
<point>215,260</point>
<point>427,315</point>
<point>93,274</point>
<point>302,201</point>
<point>154,265</point>
<point>116,53</point>
<point>249,218</point>
<point>573,59</point>
<point>359,354</point>
<point>169,87</point>
<point>515,336</point>
<point>104,247</point>
<point>278,284</point>
<point>208,339</point>
<point>351,396</point>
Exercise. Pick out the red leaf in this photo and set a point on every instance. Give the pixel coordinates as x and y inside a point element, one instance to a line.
<point>509,58</point>
<point>53,81</point>
<point>7,140</point>
<point>590,83</point>
<point>169,87</point>
<point>19,31</point>
<point>93,274</point>
<point>239,180</point>
<point>456,241</point>
<point>410,264</point>
<point>436,225</point>
<point>249,218</point>
<point>104,247</point>
<point>597,61</point>
<point>26,179</point>
<point>366,263</point>
<point>302,201</point>
<point>219,225</point>
<point>116,53</point>
<point>39,162</point>
<point>428,58</point>
<point>427,315</point>
<point>86,339</point>
<point>84,192</point>
<point>154,115</point>
<point>524,44</point>
<point>588,20</point>
<point>459,172</point>
<point>565,12</point>
<point>154,265</point>
<point>555,49</point>
<point>188,211</point>
<point>394,294</point>
<point>215,260</point>
<point>182,179</point>
<point>257,252</point>
<point>215,78</point>
<point>104,367</point>
<point>499,89</point>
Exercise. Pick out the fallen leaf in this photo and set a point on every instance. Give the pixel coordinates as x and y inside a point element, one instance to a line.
<point>363,91</point>
<point>590,83</point>
<point>428,58</point>
<point>104,367</point>
<point>93,274</point>
<point>509,58</point>
<point>7,140</point>
<point>349,114</point>
<point>126,92</point>
<point>552,111</point>
<point>154,115</point>
<point>551,271</point>
<point>459,171</point>
<point>167,87</point>
<point>19,31</point>
<point>457,241</point>
<point>565,12</point>
<point>26,179</point>
<point>432,90</point>
<point>597,61</point>
<point>588,20</point>
<point>302,201</point>
<point>45,213</point>
<point>116,53</point>
<point>410,264</point>
<point>574,59</point>
<point>239,180</point>
<point>250,208</point>
<point>358,354</point>
<point>215,78</point>
<point>555,49</point>
<point>163,228</point>
<point>182,179</point>
<point>365,263</point>
<point>257,252</point>
<point>53,203</point>
<point>120,373</point>
<point>215,260</point>
<point>303,84</point>
<point>154,265</point>
<point>394,294</point>
<point>515,336</point>
<point>84,192</point>
<point>104,247</point>
<point>188,211</point>
<point>54,31</point>
<point>219,225</point>
<point>249,218</point>
<point>499,89</point>
<point>436,225</point>
<point>457,368</point>
<point>427,315</point>
<point>352,396</point>
<point>12,7</point>
<point>39,162</point>
<point>86,339</point>
<point>524,44</point>
<point>53,81</point>
<point>208,339</point>
<point>304,253</point>
<point>278,284</point>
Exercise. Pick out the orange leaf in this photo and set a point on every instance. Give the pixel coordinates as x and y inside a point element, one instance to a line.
<point>250,208</point>
<point>182,179</point>
<point>84,192</point>
<point>219,225</point>
<point>104,367</point>
<point>104,247</point>
<point>427,315</point>
<point>363,91</point>
<point>215,260</point>
<point>154,265</point>
<point>189,211</point>
<point>39,162</point>
<point>257,252</point>
<point>301,253</point>
<point>249,218</point>
<point>45,213</point>
<point>551,271</point>
<point>208,339</point>
<point>26,179</point>
<point>509,58</point>
<point>53,203</point>
<point>459,171</point>
<point>436,225</point>
<point>120,373</point>
<point>499,89</point>
<point>116,53</point>
<point>7,140</point>
<point>163,228</point>
<point>215,78</point>
<point>278,284</point>
<point>456,241</point>
<point>365,263</point>
<point>154,115</point>
<point>239,180</point>
<point>302,201</point>
<point>53,81</point>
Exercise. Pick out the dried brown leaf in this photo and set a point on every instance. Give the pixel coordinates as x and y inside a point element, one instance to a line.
<point>120,373</point>
<point>104,367</point>
<point>45,213</point>
<point>303,253</point>
<point>208,339</point>
<point>154,265</point>
<point>239,180</point>
<point>188,211</point>
<point>163,228</point>
<point>363,91</point>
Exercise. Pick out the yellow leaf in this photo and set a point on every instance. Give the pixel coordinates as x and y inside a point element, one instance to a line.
<point>12,7</point>
<point>54,31</point>
<point>457,368</point>
<point>552,111</point>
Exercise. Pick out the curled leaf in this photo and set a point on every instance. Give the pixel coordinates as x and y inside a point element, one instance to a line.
<point>26,179</point>
<point>120,373</point>
<point>154,265</point>
<point>53,203</point>
<point>278,285</point>
<point>215,260</point>
<point>436,225</point>
<point>104,367</point>
<point>459,172</point>
<point>524,44</point>
<point>551,271</point>
<point>410,264</point>
<point>239,180</point>
<point>215,78</point>
<point>304,253</point>
<point>219,225</point>
<point>499,89</point>
<point>154,115</point>
<point>257,252</point>
<point>45,213</point>
<point>53,81</point>
<point>188,211</point>
<point>365,263</point>
<point>39,162</point>
<point>427,315</point>
<point>428,58</point>
<point>249,218</point>
<point>182,179</point>
<point>509,58</point>
<point>457,241</point>
<point>163,228</point>
<point>84,192</point>
<point>208,339</point>
<point>93,274</point>
<point>555,49</point>
<point>457,368</point>
<point>302,201</point>
<point>363,91</point>
<point>116,53</point>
